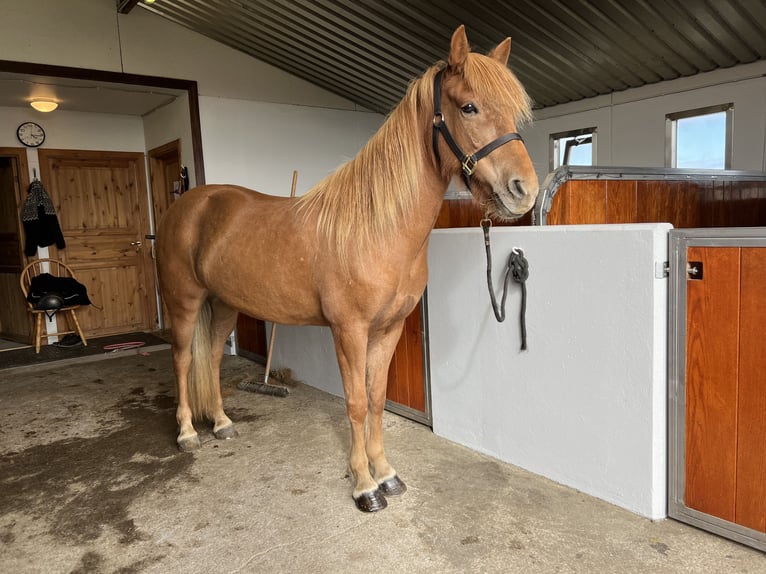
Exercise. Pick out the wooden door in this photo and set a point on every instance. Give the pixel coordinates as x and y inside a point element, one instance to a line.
<point>166,186</point>
<point>164,177</point>
<point>14,182</point>
<point>101,202</point>
<point>725,398</point>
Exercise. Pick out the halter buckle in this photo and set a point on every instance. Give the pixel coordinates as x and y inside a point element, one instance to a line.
<point>469,164</point>
<point>438,119</point>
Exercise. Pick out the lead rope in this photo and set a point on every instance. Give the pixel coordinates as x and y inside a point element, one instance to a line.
<point>518,268</point>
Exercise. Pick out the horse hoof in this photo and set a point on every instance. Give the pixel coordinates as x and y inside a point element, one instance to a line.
<point>371,501</point>
<point>393,486</point>
<point>226,432</point>
<point>189,443</point>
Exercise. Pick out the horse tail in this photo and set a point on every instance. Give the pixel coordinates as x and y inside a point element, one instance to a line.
<point>202,394</point>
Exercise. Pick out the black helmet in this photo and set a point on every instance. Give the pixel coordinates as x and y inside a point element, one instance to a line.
<point>50,302</point>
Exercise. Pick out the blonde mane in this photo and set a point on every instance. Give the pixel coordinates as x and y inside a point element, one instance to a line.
<point>365,200</point>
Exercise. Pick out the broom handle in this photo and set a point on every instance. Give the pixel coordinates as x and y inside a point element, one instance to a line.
<point>274,325</point>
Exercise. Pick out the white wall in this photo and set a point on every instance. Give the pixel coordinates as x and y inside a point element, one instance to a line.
<point>585,404</point>
<point>631,123</point>
<point>258,144</point>
<point>169,123</point>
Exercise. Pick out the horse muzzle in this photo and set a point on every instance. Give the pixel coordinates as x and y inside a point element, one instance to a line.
<point>513,200</point>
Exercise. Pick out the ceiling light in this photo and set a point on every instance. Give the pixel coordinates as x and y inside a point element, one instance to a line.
<point>44,105</point>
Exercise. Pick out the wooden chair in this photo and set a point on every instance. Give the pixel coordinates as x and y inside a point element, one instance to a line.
<point>58,269</point>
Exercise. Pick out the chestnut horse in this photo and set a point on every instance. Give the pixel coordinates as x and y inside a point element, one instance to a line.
<point>350,254</point>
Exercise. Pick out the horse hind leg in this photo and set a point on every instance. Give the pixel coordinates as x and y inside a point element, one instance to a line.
<point>223,320</point>
<point>182,328</point>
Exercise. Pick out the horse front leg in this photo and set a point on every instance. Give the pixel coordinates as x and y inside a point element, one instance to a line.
<point>351,349</point>
<point>379,353</point>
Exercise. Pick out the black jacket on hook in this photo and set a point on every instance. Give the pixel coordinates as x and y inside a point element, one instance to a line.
<point>41,226</point>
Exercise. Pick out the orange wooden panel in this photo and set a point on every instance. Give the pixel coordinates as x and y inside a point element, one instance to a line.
<point>406,383</point>
<point>620,201</point>
<point>586,202</point>
<point>751,423</point>
<point>415,365</point>
<point>673,202</point>
<point>557,215</point>
<point>251,335</point>
<point>712,330</point>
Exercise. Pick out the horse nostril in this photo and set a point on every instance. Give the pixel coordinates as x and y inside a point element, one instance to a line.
<point>516,188</point>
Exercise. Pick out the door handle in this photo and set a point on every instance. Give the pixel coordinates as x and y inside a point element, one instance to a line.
<point>137,245</point>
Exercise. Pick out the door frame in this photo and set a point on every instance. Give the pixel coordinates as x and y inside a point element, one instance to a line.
<point>101,76</point>
<point>679,240</point>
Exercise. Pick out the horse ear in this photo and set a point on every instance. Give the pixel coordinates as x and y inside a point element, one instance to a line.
<point>501,51</point>
<point>458,48</point>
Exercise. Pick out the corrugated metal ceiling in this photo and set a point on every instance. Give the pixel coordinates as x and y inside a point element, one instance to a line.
<point>563,50</point>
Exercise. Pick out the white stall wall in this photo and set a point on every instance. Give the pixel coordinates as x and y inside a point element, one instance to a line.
<point>631,124</point>
<point>585,404</point>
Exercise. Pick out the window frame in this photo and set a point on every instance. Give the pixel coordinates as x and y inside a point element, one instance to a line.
<point>671,131</point>
<point>554,144</point>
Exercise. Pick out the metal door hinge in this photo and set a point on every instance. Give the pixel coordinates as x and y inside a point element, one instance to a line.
<point>661,269</point>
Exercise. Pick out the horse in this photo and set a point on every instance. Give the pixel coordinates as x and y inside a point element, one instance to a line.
<point>349,254</point>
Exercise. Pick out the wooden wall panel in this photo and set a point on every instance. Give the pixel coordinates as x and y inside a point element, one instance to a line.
<point>751,420</point>
<point>406,384</point>
<point>712,329</point>
<point>621,201</point>
<point>559,213</point>
<point>684,204</point>
<point>467,213</point>
<point>587,202</point>
<point>251,335</point>
<point>668,201</point>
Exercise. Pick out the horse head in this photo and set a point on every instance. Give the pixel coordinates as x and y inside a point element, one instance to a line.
<point>478,106</point>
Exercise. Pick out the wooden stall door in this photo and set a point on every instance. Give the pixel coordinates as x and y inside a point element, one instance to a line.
<point>101,202</point>
<point>725,450</point>
<point>14,182</point>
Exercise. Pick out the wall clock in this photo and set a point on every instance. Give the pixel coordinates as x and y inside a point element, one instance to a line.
<point>31,134</point>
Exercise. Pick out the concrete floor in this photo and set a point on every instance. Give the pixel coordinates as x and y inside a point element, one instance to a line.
<point>91,481</point>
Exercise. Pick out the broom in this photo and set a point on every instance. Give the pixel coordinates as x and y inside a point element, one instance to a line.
<point>265,388</point>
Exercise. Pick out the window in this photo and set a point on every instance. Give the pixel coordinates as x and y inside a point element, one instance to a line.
<point>577,147</point>
<point>699,138</point>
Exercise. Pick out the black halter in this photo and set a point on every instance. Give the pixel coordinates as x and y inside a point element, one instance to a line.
<point>467,161</point>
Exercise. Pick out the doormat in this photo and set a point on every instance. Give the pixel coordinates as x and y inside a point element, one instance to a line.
<point>98,348</point>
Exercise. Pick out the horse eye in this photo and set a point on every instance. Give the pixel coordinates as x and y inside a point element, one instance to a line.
<point>469,109</point>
